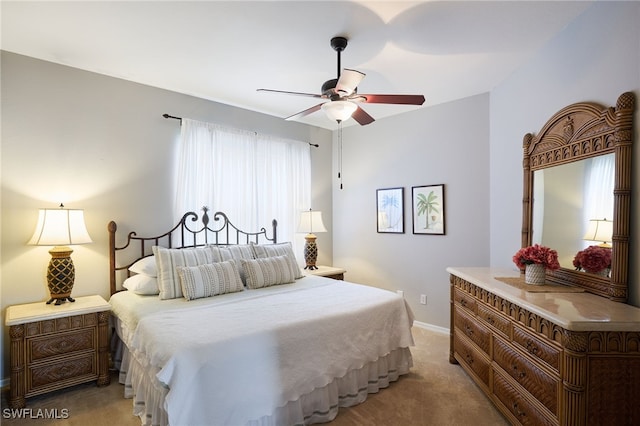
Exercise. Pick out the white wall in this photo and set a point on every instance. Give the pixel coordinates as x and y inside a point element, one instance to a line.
<point>101,144</point>
<point>596,58</point>
<point>446,144</point>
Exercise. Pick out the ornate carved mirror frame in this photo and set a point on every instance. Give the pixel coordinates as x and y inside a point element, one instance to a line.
<point>577,132</point>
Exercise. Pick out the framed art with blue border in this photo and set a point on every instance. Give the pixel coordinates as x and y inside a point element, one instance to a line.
<point>390,210</point>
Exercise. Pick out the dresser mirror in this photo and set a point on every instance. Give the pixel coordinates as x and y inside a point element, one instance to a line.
<point>581,141</point>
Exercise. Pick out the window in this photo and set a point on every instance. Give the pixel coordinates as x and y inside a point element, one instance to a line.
<point>252,178</point>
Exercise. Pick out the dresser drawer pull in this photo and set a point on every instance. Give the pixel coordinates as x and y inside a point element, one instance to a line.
<point>519,374</point>
<point>491,320</point>
<point>531,347</point>
<point>463,303</point>
<point>469,358</point>
<point>468,330</point>
<point>517,411</point>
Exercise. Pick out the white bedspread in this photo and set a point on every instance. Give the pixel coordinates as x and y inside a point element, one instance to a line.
<point>233,359</point>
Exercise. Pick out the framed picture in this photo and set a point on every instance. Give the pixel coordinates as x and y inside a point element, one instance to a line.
<point>427,203</point>
<point>390,210</point>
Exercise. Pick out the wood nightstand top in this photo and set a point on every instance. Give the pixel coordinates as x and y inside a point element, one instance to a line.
<point>324,271</point>
<point>31,312</point>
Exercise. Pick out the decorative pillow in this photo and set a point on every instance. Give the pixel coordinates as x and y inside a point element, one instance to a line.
<point>209,280</point>
<point>146,266</point>
<point>142,284</point>
<point>235,252</point>
<point>267,272</point>
<point>280,249</point>
<point>168,259</point>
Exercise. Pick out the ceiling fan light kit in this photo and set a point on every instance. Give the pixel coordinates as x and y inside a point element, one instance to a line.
<point>341,94</point>
<point>339,110</point>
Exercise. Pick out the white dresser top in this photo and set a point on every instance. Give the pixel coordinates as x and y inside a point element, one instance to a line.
<point>39,311</point>
<point>571,311</point>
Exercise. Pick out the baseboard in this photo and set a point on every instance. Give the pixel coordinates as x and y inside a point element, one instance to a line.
<point>431,327</point>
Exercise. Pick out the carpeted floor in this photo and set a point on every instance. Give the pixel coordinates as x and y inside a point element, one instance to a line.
<point>434,393</point>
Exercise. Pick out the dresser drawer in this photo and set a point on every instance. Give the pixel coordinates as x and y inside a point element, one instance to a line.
<point>538,383</point>
<point>494,319</point>
<point>523,410</point>
<point>466,354</point>
<point>470,327</point>
<point>43,347</point>
<point>543,352</point>
<point>465,301</point>
<point>49,376</point>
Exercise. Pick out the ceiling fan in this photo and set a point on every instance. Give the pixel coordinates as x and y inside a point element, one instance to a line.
<point>343,97</point>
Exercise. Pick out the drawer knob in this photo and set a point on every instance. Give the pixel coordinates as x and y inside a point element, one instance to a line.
<point>463,303</point>
<point>518,374</point>
<point>468,330</point>
<point>531,347</point>
<point>469,358</point>
<point>491,320</point>
<point>516,410</point>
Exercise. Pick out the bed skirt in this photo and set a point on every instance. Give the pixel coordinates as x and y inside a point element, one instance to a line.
<point>319,406</point>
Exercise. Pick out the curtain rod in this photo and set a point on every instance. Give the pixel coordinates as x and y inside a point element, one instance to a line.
<point>165,115</point>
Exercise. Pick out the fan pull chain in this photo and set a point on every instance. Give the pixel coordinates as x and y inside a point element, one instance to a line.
<point>340,152</point>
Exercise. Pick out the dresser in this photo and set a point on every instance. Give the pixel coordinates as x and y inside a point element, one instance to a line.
<point>326,271</point>
<point>56,346</point>
<point>546,358</point>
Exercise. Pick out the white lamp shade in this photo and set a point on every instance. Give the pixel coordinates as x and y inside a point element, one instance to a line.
<point>339,110</point>
<point>311,222</point>
<point>60,227</point>
<point>599,230</point>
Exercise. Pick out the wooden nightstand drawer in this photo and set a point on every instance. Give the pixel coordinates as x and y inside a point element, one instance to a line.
<point>55,375</point>
<point>40,348</point>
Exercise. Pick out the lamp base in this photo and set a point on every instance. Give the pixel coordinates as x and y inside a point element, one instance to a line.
<point>60,275</point>
<point>310,252</point>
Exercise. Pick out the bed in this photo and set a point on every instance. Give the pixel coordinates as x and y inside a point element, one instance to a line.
<point>220,326</point>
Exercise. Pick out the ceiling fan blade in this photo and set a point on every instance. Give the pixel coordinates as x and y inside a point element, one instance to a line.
<point>311,95</point>
<point>348,81</point>
<point>305,112</point>
<point>362,117</point>
<point>392,99</point>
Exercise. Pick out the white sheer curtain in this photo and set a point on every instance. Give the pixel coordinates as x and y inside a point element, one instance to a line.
<point>598,189</point>
<point>252,178</point>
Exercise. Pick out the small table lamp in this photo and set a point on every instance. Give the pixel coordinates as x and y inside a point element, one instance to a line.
<point>310,222</point>
<point>600,230</point>
<point>60,228</point>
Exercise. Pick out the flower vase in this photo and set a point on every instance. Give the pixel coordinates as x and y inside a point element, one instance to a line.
<point>603,272</point>
<point>534,274</point>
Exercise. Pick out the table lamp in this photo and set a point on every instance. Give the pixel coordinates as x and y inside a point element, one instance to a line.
<point>310,222</point>
<point>60,228</point>
<point>600,230</point>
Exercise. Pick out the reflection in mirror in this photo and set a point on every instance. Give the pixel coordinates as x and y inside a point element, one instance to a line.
<point>566,199</point>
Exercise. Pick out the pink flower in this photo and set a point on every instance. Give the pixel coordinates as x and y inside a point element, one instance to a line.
<point>593,259</point>
<point>536,254</point>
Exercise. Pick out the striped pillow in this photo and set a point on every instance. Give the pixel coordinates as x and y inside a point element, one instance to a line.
<point>267,272</point>
<point>209,280</point>
<point>281,249</point>
<point>167,260</point>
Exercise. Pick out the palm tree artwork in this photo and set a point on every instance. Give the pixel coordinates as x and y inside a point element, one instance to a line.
<point>389,204</point>
<point>426,205</point>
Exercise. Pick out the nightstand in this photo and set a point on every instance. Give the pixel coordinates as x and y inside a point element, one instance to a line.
<point>56,346</point>
<point>326,271</point>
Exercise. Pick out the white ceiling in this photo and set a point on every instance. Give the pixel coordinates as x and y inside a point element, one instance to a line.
<point>224,51</point>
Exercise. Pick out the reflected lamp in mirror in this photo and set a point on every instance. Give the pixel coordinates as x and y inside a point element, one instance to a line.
<point>600,230</point>
<point>311,222</point>
<point>60,228</point>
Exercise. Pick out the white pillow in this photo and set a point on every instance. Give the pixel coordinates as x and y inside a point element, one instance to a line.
<point>142,284</point>
<point>146,266</point>
<point>267,272</point>
<point>168,259</point>
<point>209,280</point>
<point>235,252</point>
<point>281,249</point>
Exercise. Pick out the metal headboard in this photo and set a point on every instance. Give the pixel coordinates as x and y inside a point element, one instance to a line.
<point>182,235</point>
